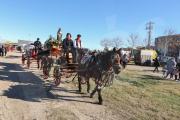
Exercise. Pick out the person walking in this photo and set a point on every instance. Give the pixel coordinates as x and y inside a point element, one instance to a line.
<point>156,64</point>
<point>125,61</point>
<point>169,65</point>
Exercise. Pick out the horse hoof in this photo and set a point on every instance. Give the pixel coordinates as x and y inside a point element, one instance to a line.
<point>91,96</point>
<point>101,102</point>
<point>88,91</point>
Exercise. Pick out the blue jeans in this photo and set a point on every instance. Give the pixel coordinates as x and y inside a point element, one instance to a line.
<point>167,73</point>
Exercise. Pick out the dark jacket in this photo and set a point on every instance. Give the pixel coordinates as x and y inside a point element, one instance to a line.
<point>156,62</point>
<point>178,64</point>
<point>37,44</point>
<point>67,44</point>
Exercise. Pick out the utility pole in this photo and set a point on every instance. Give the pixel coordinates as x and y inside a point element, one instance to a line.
<point>29,36</point>
<point>149,32</point>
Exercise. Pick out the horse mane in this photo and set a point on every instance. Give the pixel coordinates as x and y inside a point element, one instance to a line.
<point>104,59</point>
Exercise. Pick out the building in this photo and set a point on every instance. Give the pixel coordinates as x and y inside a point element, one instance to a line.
<point>142,47</point>
<point>172,47</point>
<point>13,43</point>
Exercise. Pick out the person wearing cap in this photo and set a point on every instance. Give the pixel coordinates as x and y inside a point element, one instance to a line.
<point>68,47</point>
<point>78,46</point>
<point>37,45</point>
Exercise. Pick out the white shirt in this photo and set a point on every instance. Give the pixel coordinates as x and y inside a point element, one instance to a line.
<point>80,46</point>
<point>124,59</point>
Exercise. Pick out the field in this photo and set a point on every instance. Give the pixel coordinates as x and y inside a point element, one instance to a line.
<point>136,94</point>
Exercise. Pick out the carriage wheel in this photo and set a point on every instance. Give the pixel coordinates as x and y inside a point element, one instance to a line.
<point>23,60</point>
<point>45,67</point>
<point>28,62</point>
<point>57,75</point>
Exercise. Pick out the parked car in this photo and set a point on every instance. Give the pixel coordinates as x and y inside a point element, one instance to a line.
<point>163,60</point>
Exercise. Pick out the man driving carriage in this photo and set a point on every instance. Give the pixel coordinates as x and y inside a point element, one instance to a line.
<point>68,47</point>
<point>37,45</point>
<point>78,46</point>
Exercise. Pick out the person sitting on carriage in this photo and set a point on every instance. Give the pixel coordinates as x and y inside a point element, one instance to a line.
<point>78,46</point>
<point>37,45</point>
<point>68,47</point>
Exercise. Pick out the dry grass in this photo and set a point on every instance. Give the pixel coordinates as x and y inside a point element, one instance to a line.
<point>63,113</point>
<point>138,95</point>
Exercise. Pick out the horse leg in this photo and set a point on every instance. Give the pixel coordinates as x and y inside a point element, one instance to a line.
<point>93,92</point>
<point>38,62</point>
<point>88,86</point>
<point>41,64</point>
<point>79,80</point>
<point>99,94</point>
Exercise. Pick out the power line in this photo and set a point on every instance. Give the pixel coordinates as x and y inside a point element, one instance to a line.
<point>149,32</point>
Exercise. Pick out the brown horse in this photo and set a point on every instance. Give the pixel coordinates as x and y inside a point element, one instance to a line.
<point>96,66</point>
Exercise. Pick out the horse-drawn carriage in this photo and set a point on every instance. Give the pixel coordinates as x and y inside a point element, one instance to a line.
<point>57,56</point>
<point>29,55</point>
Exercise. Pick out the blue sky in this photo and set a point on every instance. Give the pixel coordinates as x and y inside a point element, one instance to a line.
<point>93,19</point>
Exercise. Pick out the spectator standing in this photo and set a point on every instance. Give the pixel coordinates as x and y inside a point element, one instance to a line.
<point>174,62</point>
<point>5,51</point>
<point>164,70</point>
<point>171,72</point>
<point>178,64</point>
<point>125,61</point>
<point>176,72</point>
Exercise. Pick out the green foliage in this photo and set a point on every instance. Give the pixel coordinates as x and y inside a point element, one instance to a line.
<point>53,42</point>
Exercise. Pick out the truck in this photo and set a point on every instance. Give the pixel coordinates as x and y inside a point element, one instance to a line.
<point>144,57</point>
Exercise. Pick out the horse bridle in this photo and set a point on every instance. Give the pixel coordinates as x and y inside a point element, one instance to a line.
<point>113,59</point>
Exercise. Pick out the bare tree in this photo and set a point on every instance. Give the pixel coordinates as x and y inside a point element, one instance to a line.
<point>106,43</point>
<point>144,42</point>
<point>134,41</point>
<point>117,42</point>
<point>167,39</point>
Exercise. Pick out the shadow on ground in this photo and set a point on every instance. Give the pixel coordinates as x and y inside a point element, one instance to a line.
<point>12,56</point>
<point>32,88</point>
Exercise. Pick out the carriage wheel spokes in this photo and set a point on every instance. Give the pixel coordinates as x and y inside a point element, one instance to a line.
<point>57,75</point>
<point>45,67</point>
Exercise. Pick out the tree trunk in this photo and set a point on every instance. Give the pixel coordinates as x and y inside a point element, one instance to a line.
<point>165,49</point>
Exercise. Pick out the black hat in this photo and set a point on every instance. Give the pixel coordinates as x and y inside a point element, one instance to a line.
<point>78,35</point>
<point>37,38</point>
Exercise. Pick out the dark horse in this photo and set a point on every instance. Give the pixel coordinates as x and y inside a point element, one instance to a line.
<point>95,67</point>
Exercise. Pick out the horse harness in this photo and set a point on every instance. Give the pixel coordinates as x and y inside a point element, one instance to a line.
<point>99,67</point>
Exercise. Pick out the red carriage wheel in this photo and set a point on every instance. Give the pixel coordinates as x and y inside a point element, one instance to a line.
<point>23,60</point>
<point>45,64</point>
<point>57,75</point>
<point>28,62</point>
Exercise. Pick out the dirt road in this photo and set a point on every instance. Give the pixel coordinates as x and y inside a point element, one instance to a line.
<point>26,95</point>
